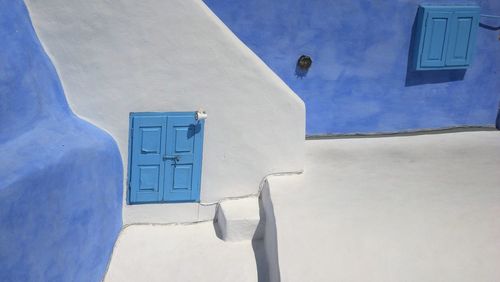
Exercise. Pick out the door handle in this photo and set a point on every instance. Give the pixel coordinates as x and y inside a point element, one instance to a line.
<point>168,157</point>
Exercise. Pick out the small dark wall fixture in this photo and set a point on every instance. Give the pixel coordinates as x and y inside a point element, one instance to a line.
<point>303,64</point>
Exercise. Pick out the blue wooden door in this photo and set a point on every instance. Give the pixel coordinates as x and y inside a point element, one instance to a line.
<point>166,157</point>
<point>436,39</point>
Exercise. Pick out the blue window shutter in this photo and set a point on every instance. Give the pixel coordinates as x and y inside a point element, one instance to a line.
<point>147,166</point>
<point>462,38</point>
<point>437,28</point>
<point>445,36</point>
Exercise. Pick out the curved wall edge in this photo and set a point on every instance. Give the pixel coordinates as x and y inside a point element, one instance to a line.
<point>60,177</point>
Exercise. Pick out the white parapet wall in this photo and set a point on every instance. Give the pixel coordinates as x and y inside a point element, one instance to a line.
<point>117,57</point>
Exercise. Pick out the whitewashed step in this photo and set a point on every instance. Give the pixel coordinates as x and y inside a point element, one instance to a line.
<point>238,219</point>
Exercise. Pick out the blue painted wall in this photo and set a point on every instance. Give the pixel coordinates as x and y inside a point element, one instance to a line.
<point>359,81</point>
<point>60,177</point>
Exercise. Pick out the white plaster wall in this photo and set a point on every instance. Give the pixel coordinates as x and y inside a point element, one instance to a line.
<point>270,235</point>
<point>120,56</point>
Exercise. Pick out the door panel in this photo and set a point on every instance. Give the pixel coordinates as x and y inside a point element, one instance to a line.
<point>149,177</point>
<point>150,140</point>
<point>147,166</point>
<point>183,173</point>
<point>183,141</point>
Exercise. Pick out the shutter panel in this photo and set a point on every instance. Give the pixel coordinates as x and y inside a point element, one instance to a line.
<point>436,39</point>
<point>462,38</point>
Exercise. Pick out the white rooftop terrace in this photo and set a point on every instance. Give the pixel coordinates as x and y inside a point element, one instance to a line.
<point>406,208</point>
<point>402,208</point>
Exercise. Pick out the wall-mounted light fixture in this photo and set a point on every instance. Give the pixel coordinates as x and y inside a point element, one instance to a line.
<point>200,115</point>
<point>304,62</point>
